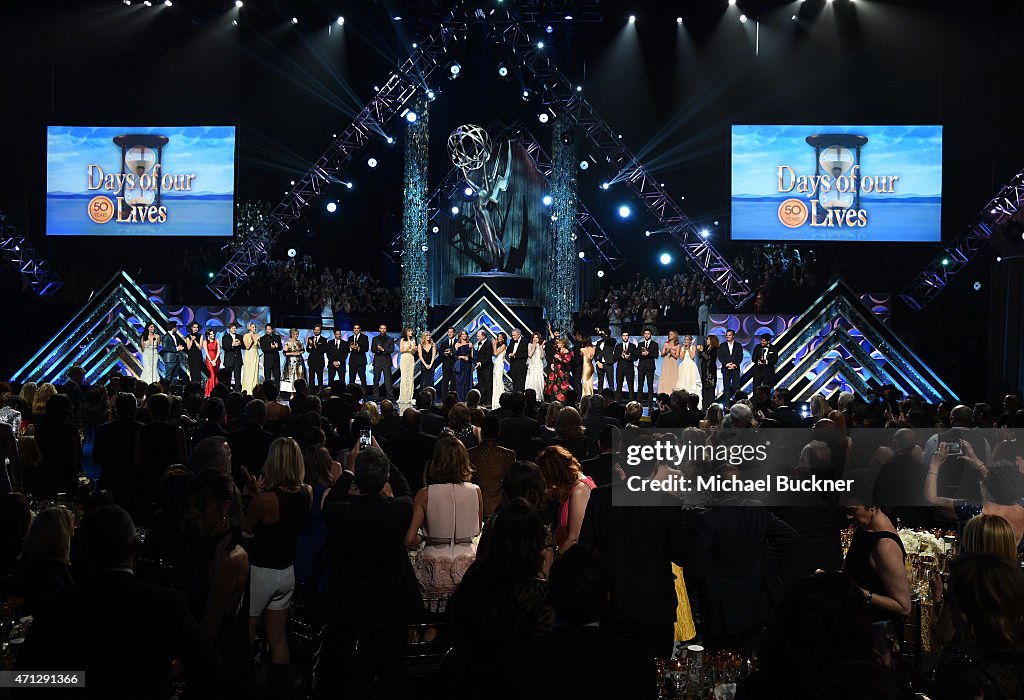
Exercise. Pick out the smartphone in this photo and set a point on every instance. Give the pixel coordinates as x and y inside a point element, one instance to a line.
<point>804,409</point>
<point>953,449</point>
<point>365,438</point>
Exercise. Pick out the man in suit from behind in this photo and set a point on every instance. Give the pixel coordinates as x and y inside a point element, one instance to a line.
<point>250,443</point>
<point>390,423</point>
<point>517,354</point>
<point>647,352</point>
<point>604,358</point>
<point>446,351</point>
<point>764,358</point>
<point>601,468</point>
<point>172,351</point>
<point>625,372</point>
<point>578,590</point>
<point>270,346</point>
<point>374,584</point>
<point>484,366</point>
<point>231,346</point>
<point>678,416</point>
<point>383,349</point>
<point>110,453</point>
<point>358,346</point>
<point>596,421</point>
<point>730,354</point>
<point>639,533</point>
<point>519,433</point>
<point>120,631</point>
<point>430,422</point>
<point>411,448</point>
<point>337,353</point>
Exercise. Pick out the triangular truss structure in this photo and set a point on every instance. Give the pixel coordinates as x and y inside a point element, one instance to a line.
<point>102,336</point>
<point>839,341</point>
<point>554,90</point>
<point>19,253</point>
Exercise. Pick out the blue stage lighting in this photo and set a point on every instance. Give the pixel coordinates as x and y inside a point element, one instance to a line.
<point>547,200</point>
<point>455,211</point>
<point>332,207</point>
<point>704,233</point>
<point>625,211</point>
<point>605,185</point>
<point>410,116</point>
<point>468,191</point>
<point>372,162</point>
<point>665,259</point>
<point>549,29</point>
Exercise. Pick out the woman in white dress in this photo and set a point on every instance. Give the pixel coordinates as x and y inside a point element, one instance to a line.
<point>250,360</point>
<point>498,380</point>
<point>535,366</point>
<point>406,366</point>
<point>689,374</point>
<point>150,354</point>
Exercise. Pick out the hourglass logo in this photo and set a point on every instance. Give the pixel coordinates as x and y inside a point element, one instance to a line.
<point>837,158</point>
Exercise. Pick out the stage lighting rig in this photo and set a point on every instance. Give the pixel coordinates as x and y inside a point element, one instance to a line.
<point>454,70</point>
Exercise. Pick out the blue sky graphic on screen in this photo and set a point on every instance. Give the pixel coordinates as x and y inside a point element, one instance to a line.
<point>837,183</point>
<point>140,181</point>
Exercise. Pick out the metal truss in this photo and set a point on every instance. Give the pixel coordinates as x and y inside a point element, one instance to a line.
<point>961,250</point>
<point>18,252</point>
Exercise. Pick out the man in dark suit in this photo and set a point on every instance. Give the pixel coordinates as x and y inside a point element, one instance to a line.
<point>900,481</point>
<point>231,346</point>
<point>647,352</point>
<point>270,346</point>
<point>764,358</point>
<point>518,432</point>
<point>678,416</point>
<point>337,352</point>
<point>430,422</point>
<point>411,448</point>
<point>250,443</point>
<point>784,415</point>
<point>390,423</point>
<point>604,358</point>
<point>730,354</point>
<point>113,449</point>
<point>316,346</point>
<point>172,350</point>
<point>484,366</point>
<point>383,350</point>
<point>446,351</point>
<point>10,473</point>
<point>72,388</point>
<point>578,590</point>
<point>602,467</point>
<point>517,354</point>
<point>375,588</point>
<point>120,631</point>
<point>358,346</point>
<point>639,533</point>
<point>625,356</point>
<point>596,421</point>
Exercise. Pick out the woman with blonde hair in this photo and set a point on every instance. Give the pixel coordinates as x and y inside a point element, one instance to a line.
<point>670,350</point>
<point>272,524</point>
<point>989,534</point>
<point>28,393</point>
<point>547,430</point>
<point>446,516</point>
<point>568,491</point>
<point>43,394</point>
<point>45,561</point>
<point>427,353</point>
<point>819,407</point>
<point>372,412</point>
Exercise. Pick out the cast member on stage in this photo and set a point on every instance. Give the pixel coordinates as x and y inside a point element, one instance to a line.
<point>293,368</point>
<point>337,351</point>
<point>498,371</point>
<point>316,347</point>
<point>647,350</point>
<point>669,364</point>
<point>446,351</point>
<point>173,352</point>
<point>605,357</point>
<point>358,346</point>
<point>231,349</point>
<point>587,351</point>
<point>535,365</point>
<point>212,354</point>
<point>731,356</point>
<point>689,373</point>
<point>383,349</point>
<point>576,366</point>
<point>708,370</point>
<point>250,359</point>
<point>484,353</point>
<point>406,367</point>
<point>517,355</point>
<point>764,357</point>
<point>558,371</point>
<point>150,342</point>
<point>427,353</point>
<point>625,356</point>
<point>270,344</point>
<point>194,347</point>
<point>463,365</point>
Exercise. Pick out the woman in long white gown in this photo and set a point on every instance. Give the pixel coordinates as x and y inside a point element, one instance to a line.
<point>406,366</point>
<point>498,380</point>
<point>250,360</point>
<point>689,373</point>
<point>535,366</point>
<point>150,355</point>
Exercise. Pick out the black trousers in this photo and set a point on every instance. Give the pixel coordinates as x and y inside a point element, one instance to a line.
<point>605,377</point>
<point>316,375</point>
<point>272,370</point>
<point>174,371</point>
<point>361,661</point>
<point>236,370</point>
<point>625,373</point>
<point>730,383</point>
<point>196,367</point>
<point>763,377</point>
<point>576,379</point>
<point>484,379</point>
<point>708,392</point>
<point>335,372</point>
<point>447,378</point>
<point>357,373</point>
<point>646,376</point>
<point>384,371</point>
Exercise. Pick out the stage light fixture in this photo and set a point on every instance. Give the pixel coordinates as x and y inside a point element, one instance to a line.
<point>583,256</point>
<point>977,286</point>
<point>147,3</point>
<point>431,95</point>
<point>468,191</point>
<point>716,223</point>
<point>391,139</point>
<point>679,20</point>
<point>340,21</point>
<point>540,44</point>
<point>332,207</point>
<point>348,185</point>
<point>526,94</point>
<point>999,258</point>
<point>543,117</point>
<point>547,199</point>
<point>632,19</point>
<point>665,259</point>
<point>549,29</point>
<point>584,164</point>
<point>502,71</point>
<point>568,18</point>
<point>793,18</point>
<point>410,117</point>
<point>625,211</point>
<point>647,234</point>
<point>579,88</point>
<point>209,275</point>
<point>168,3</point>
<point>436,229</point>
<point>292,252</point>
<point>234,22</point>
<point>239,3</point>
<point>128,3</point>
<point>424,247</point>
<point>295,20</point>
<point>372,162</point>
<point>945,261</point>
<point>993,211</point>
<point>732,2</point>
<point>605,185</point>
<point>453,70</point>
<point>743,18</point>
<point>704,233</point>
<point>600,273</point>
<point>397,18</point>
<point>455,211</point>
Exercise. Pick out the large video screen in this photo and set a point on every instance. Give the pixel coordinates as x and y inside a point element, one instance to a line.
<point>837,183</point>
<point>140,181</point>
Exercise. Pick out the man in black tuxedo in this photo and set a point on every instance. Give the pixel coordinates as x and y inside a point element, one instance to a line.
<point>411,448</point>
<point>316,346</point>
<point>551,344</point>
<point>639,533</point>
<point>383,348</point>
<point>647,351</point>
<point>270,346</point>
<point>678,416</point>
<point>172,349</point>
<point>117,629</point>
<point>431,423</point>
<point>231,346</point>
<point>484,366</point>
<point>250,443</point>
<point>601,468</point>
<point>625,356</point>
<point>337,352</point>
<point>604,357</point>
<point>112,449</point>
<point>900,482</point>
<point>517,354</point>
<point>358,346</point>
<point>730,354</point>
<point>446,351</point>
<point>596,421</point>
<point>374,584</point>
<point>764,358</point>
<point>518,432</point>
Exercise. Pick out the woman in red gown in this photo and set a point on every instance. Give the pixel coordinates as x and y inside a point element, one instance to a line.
<point>211,354</point>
